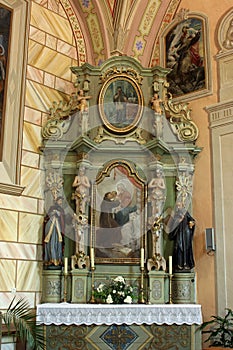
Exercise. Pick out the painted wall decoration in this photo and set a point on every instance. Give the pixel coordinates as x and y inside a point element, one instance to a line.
<point>186,57</point>
<point>5,21</point>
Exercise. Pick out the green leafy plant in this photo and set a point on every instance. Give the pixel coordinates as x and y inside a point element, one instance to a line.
<point>23,320</point>
<point>220,330</point>
<point>115,291</point>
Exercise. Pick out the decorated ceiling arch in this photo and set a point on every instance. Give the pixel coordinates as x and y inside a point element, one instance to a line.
<point>119,27</point>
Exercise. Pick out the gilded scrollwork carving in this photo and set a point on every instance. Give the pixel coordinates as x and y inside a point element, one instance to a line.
<point>179,116</point>
<point>184,184</point>
<point>80,261</point>
<point>104,135</point>
<point>60,115</point>
<point>118,71</point>
<point>54,129</point>
<point>54,182</point>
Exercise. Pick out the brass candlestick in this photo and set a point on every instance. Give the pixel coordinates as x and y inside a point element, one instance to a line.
<point>141,299</point>
<point>170,289</point>
<point>65,287</point>
<point>92,300</point>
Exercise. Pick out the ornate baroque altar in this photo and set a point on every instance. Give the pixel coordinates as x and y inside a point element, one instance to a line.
<point>119,162</point>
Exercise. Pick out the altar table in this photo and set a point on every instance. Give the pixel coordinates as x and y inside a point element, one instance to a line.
<point>88,314</point>
<point>124,327</point>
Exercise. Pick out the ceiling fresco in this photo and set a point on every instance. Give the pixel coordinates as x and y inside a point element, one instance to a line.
<point>106,28</point>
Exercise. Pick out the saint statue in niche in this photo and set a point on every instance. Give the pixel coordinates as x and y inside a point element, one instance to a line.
<point>81,195</point>
<point>54,235</point>
<point>183,226</point>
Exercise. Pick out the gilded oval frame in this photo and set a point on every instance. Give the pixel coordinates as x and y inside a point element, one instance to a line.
<point>120,104</point>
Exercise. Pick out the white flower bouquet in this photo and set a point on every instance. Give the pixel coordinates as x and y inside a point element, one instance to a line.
<point>116,291</point>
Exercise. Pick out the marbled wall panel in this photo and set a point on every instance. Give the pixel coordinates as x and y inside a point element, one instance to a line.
<point>49,80</point>
<point>64,85</point>
<point>41,206</point>
<point>30,159</point>
<point>51,23</point>
<point>37,35</point>
<point>31,137</point>
<point>29,276</point>
<point>42,2</point>
<point>33,180</point>
<point>49,60</point>
<point>8,272</point>
<point>51,42</point>
<point>30,228</point>
<point>18,203</point>
<point>66,49</point>
<point>53,6</point>
<point>8,224</point>
<point>9,250</point>
<point>41,97</point>
<point>35,74</point>
<point>32,116</point>
<point>6,297</point>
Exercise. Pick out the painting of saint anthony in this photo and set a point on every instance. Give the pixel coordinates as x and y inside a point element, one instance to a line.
<point>185,57</point>
<point>118,218</point>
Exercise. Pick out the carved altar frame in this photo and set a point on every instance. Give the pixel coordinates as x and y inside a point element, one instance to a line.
<point>126,251</point>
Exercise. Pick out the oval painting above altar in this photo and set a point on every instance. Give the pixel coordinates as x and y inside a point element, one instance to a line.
<point>120,104</point>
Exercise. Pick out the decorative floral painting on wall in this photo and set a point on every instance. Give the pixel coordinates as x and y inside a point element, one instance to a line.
<point>185,56</point>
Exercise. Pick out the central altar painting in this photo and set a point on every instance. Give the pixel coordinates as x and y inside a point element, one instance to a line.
<point>119,214</point>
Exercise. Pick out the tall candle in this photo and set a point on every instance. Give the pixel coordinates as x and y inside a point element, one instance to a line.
<point>92,258</point>
<point>65,265</point>
<point>142,257</point>
<point>170,265</point>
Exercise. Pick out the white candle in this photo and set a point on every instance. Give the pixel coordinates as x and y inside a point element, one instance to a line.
<point>170,265</point>
<point>65,265</point>
<point>92,258</point>
<point>142,257</point>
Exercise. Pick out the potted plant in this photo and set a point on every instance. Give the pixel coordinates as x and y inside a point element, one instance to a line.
<point>220,330</point>
<point>20,320</point>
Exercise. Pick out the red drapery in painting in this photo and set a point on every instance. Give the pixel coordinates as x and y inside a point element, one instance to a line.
<point>125,171</point>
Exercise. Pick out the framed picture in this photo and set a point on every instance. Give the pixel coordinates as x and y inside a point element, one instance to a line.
<point>120,104</point>
<point>119,215</point>
<point>186,55</point>
<point>5,27</point>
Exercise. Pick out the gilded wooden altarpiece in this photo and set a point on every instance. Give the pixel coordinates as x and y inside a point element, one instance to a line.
<point>131,151</point>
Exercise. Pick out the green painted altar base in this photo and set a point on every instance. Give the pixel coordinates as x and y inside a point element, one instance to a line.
<point>123,337</point>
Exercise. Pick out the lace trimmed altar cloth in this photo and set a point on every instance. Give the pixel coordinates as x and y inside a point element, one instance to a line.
<point>98,314</point>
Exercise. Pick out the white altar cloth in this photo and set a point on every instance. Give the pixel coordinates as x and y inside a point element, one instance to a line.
<point>98,314</point>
